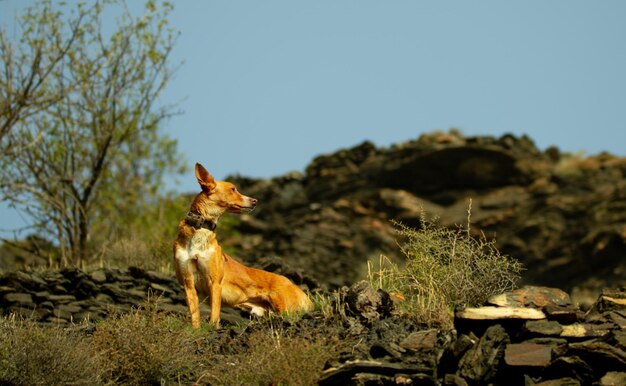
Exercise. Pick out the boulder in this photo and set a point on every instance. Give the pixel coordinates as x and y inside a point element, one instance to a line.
<point>368,304</point>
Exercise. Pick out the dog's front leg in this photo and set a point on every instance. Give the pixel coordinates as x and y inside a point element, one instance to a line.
<point>191,295</point>
<point>185,275</point>
<point>216,275</point>
<point>216,302</point>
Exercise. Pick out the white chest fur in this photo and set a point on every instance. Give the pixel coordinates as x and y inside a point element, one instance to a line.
<point>201,245</point>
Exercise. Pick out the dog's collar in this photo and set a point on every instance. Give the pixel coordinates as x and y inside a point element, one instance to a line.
<point>197,221</point>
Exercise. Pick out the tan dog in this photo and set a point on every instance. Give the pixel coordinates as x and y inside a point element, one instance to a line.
<point>203,268</point>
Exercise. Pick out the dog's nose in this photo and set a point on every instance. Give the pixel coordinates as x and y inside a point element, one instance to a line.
<point>254,201</point>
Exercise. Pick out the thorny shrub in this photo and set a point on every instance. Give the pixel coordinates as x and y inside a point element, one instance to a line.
<point>445,268</point>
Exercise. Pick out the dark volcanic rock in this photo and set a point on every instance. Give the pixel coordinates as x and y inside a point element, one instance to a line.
<point>368,304</point>
<point>71,295</point>
<point>480,363</point>
<point>562,216</point>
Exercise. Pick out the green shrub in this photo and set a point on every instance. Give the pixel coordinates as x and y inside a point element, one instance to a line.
<point>445,268</point>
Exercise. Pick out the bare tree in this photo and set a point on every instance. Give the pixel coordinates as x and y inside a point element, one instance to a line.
<point>80,118</point>
<point>25,72</point>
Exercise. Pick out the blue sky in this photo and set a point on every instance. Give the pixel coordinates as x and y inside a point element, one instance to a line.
<point>268,85</point>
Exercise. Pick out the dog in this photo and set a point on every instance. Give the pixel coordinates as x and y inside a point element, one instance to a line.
<point>207,273</point>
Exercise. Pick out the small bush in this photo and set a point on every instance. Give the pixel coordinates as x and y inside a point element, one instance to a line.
<point>273,357</point>
<point>145,347</point>
<point>32,354</point>
<point>446,268</point>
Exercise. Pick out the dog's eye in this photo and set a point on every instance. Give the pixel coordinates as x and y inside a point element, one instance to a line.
<point>233,189</point>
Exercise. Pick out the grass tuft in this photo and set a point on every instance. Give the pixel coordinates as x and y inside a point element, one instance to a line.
<point>147,347</point>
<point>273,356</point>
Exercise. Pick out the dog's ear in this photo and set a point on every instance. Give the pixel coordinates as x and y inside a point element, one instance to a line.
<point>205,179</point>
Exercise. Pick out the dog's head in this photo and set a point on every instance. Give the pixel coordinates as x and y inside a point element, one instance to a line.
<point>219,197</point>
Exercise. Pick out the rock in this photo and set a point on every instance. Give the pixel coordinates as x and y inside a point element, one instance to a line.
<point>134,295</point>
<point>113,290</point>
<point>617,318</point>
<point>20,299</point>
<point>386,349</point>
<point>90,298</point>
<point>499,313</point>
<point>602,356</point>
<point>533,296</point>
<point>454,380</point>
<point>363,301</point>
<point>618,339</point>
<point>480,363</point>
<point>613,378</point>
<point>610,300</point>
<point>420,340</point>
<point>543,327</point>
<point>99,276</point>
<point>571,367</point>
<point>564,314</point>
<point>159,289</point>
<point>463,343</point>
<point>563,216</point>
<point>527,354</point>
<point>60,299</point>
<point>559,382</point>
<point>46,305</point>
<point>23,281</point>
<point>85,288</point>
<point>559,346</point>
<point>66,311</point>
<point>584,330</point>
<point>6,289</point>
<point>346,373</point>
<point>103,298</point>
<point>516,345</point>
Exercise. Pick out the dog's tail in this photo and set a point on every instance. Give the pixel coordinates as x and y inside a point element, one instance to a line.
<point>299,301</point>
<point>306,304</point>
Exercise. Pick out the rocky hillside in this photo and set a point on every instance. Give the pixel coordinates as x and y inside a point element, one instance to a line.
<point>563,216</point>
<point>529,336</point>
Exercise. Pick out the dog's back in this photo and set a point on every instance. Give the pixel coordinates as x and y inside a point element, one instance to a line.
<point>246,287</point>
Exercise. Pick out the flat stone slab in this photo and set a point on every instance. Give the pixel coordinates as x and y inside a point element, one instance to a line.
<point>420,340</point>
<point>498,313</point>
<point>585,330</point>
<point>564,314</point>
<point>18,298</point>
<point>543,327</point>
<point>533,296</point>
<point>527,354</point>
<point>347,371</point>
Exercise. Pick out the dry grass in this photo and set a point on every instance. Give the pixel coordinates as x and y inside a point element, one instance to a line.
<point>147,347</point>
<point>445,268</point>
<point>32,354</point>
<point>144,347</point>
<point>273,357</point>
